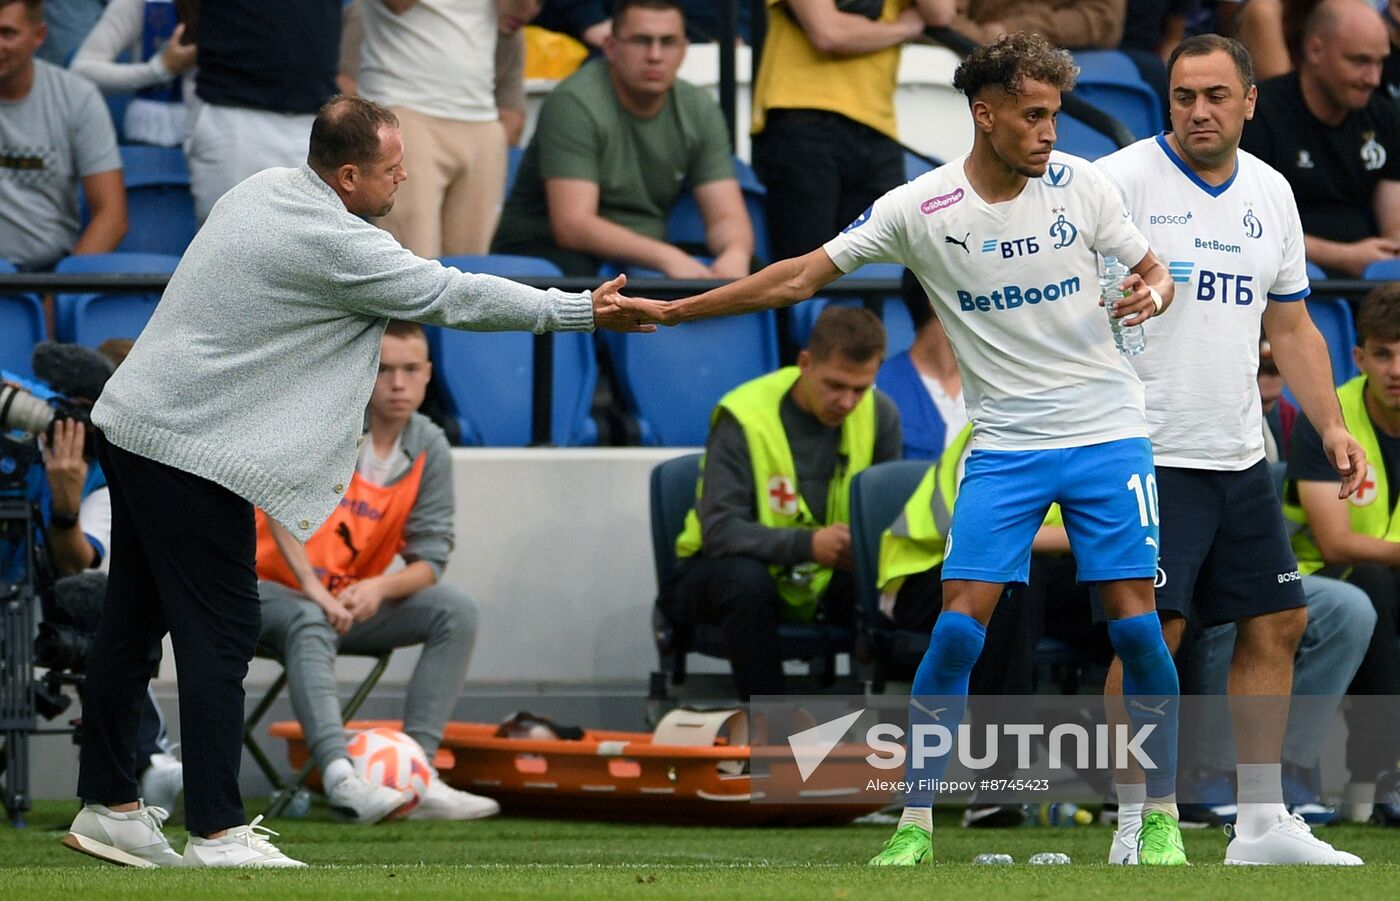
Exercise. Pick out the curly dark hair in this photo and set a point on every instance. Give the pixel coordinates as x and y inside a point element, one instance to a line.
<point>1010,61</point>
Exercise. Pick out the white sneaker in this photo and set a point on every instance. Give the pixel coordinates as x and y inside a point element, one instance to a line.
<point>163,781</point>
<point>130,838</point>
<point>1288,841</point>
<point>1124,850</point>
<point>363,802</point>
<point>242,846</point>
<point>443,802</point>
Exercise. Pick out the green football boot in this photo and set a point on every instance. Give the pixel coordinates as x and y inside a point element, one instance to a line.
<point>1159,841</point>
<point>910,845</point>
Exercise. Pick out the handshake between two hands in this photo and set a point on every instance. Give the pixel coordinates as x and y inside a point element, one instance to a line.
<point>616,313</point>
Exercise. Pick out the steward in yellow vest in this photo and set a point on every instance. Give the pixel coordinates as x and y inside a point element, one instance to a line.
<point>1370,510</point>
<point>769,538</point>
<point>1357,539</point>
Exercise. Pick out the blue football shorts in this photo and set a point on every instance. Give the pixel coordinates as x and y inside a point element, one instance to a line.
<point>1108,493</point>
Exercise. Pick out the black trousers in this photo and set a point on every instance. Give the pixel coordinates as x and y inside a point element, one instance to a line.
<point>1373,743</point>
<point>821,171</point>
<point>738,595</point>
<point>183,561</point>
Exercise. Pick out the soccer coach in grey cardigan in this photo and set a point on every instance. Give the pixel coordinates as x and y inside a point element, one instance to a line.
<point>248,387</point>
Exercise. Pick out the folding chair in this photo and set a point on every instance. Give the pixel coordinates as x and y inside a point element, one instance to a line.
<point>286,790</point>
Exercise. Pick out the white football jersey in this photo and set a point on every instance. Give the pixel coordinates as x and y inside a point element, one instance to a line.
<point>1230,250</point>
<point>1015,285</point>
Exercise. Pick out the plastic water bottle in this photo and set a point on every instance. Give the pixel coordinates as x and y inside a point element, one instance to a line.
<point>1064,814</point>
<point>1049,857</point>
<point>1130,340</point>
<point>299,806</point>
<point>998,859</point>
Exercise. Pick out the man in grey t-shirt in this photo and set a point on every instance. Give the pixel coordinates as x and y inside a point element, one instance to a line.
<point>54,131</point>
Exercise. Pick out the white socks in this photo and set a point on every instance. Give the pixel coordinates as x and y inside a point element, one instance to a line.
<point>1260,798</point>
<point>339,769</point>
<point>1131,797</point>
<point>919,816</point>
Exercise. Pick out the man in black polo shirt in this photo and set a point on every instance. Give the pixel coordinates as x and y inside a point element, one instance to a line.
<point>1336,138</point>
<point>264,71</point>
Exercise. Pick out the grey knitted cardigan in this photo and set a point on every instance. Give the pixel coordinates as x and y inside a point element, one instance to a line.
<point>255,370</point>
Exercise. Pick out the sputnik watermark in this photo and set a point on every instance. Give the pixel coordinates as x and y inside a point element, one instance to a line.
<point>1099,746</point>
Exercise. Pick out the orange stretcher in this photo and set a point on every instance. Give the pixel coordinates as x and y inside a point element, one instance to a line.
<point>634,776</point>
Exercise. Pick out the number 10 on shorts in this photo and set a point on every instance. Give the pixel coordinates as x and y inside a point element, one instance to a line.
<point>1145,493</point>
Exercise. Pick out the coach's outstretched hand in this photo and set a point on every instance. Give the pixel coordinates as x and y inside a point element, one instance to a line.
<point>616,313</point>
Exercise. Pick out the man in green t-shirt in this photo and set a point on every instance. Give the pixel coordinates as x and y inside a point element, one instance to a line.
<point>615,145</point>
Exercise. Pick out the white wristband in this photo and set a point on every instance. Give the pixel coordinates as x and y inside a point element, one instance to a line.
<point>1156,300</point>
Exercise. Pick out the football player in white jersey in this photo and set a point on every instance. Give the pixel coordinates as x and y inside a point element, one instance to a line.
<point>1005,241</point>
<point>1228,227</point>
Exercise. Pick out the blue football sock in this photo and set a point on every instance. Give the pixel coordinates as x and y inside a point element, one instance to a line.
<point>1151,693</point>
<point>939,695</point>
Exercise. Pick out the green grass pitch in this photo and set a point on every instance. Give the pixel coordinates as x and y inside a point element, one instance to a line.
<point>522,858</point>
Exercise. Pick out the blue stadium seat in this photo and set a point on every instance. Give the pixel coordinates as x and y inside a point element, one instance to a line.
<point>1073,136</point>
<point>671,380</point>
<point>915,165</point>
<point>513,157</point>
<point>877,496</point>
<point>899,328</point>
<point>1109,80</point>
<point>21,327</point>
<point>1383,271</point>
<point>672,495</point>
<point>90,319</point>
<point>160,207</point>
<point>487,377</point>
<point>1333,317</point>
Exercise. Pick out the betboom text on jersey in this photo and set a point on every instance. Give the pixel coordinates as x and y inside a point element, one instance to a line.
<point>1009,297</point>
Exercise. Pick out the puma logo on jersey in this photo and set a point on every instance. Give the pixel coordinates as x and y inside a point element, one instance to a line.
<point>949,239</point>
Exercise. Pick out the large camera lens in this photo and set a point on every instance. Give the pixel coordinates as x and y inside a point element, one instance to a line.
<point>23,412</point>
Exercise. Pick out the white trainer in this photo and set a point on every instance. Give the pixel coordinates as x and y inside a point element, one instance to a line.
<point>163,780</point>
<point>241,846</point>
<point>443,802</point>
<point>1288,841</point>
<point>131,838</point>
<point>362,802</point>
<point>1124,850</point>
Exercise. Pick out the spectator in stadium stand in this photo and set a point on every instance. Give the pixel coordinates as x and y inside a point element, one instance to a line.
<point>1390,73</point>
<point>587,21</point>
<point>924,381</point>
<point>1151,31</point>
<point>1075,24</point>
<point>1356,539</point>
<point>825,142</point>
<point>513,16</point>
<point>336,592</point>
<point>432,62</point>
<point>616,144</point>
<point>264,71</point>
<point>162,78</point>
<point>55,135</point>
<point>1336,138</point>
<point>769,538</point>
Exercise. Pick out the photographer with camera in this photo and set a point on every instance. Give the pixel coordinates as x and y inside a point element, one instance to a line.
<point>70,493</point>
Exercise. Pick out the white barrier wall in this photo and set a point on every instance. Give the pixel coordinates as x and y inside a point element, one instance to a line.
<point>555,546</point>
